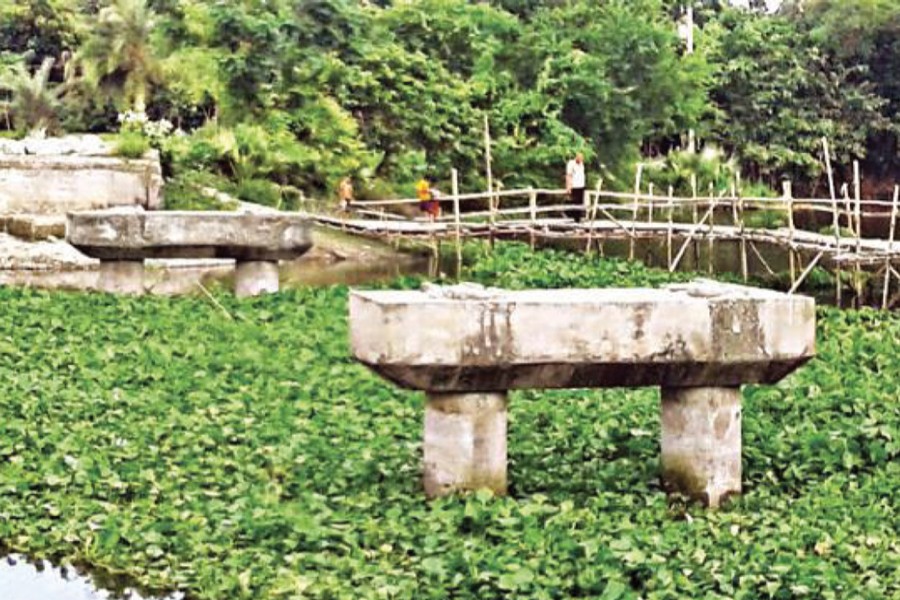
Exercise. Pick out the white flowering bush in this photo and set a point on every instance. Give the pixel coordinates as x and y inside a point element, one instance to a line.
<point>138,122</point>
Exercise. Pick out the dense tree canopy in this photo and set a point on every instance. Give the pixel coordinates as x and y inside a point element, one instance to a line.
<point>281,97</point>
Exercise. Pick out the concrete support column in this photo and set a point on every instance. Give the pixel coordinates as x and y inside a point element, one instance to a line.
<point>121,277</point>
<point>465,443</point>
<point>255,277</point>
<point>701,442</point>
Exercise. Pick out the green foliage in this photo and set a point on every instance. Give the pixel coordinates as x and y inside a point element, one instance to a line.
<point>707,169</point>
<point>779,93</point>
<point>117,58</point>
<point>259,191</point>
<point>765,219</point>
<point>252,458</point>
<point>38,29</point>
<point>33,101</point>
<point>318,90</point>
<point>516,266</point>
<point>131,144</point>
<point>195,190</point>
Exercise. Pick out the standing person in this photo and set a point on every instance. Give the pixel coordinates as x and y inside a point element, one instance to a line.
<point>428,198</point>
<point>345,194</point>
<point>575,181</point>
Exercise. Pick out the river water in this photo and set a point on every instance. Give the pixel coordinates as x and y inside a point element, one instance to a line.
<point>23,579</point>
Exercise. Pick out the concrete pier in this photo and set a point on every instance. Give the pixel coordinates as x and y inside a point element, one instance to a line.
<point>256,241</point>
<point>465,443</point>
<point>121,277</point>
<point>701,442</point>
<point>253,278</point>
<point>699,342</point>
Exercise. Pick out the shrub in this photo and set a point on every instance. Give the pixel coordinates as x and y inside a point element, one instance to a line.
<point>131,144</point>
<point>195,190</point>
<point>259,191</point>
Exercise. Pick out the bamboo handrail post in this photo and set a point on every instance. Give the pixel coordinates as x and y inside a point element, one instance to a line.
<point>710,240</point>
<point>634,207</point>
<point>893,227</point>
<point>857,268</point>
<point>789,207</point>
<point>532,216</point>
<point>454,177</point>
<point>593,215</point>
<point>858,203</point>
<point>739,204</point>
<point>532,205</point>
<point>694,216</point>
<point>670,205</point>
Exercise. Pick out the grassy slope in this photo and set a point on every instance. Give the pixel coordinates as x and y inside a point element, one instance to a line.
<point>252,459</point>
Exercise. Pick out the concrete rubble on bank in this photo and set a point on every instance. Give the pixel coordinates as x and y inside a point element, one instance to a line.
<point>56,175</point>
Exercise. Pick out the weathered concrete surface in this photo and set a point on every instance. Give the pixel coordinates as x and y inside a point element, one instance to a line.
<point>112,235</point>
<point>37,227</point>
<point>701,442</point>
<point>465,443</point>
<point>48,184</point>
<point>40,256</point>
<point>76,144</point>
<point>121,277</point>
<point>253,278</point>
<point>700,334</point>
<point>699,341</point>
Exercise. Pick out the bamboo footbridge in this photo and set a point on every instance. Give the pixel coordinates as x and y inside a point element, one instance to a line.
<point>837,245</point>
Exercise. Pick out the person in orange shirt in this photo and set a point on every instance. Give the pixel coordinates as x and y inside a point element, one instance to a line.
<point>429,198</point>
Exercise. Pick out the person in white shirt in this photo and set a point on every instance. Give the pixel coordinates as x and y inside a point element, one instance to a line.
<point>575,185</point>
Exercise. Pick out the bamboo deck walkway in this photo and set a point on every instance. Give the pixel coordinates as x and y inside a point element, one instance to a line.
<point>681,222</point>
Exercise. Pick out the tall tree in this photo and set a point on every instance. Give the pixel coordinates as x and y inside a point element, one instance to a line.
<point>118,57</point>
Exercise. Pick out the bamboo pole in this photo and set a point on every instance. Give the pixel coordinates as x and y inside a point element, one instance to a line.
<point>857,202</point>
<point>806,272</point>
<point>487,165</point>
<point>857,269</point>
<point>836,219</point>
<point>690,238</point>
<point>532,215</point>
<point>670,205</point>
<point>789,202</point>
<point>454,180</point>
<point>592,215</point>
<point>887,262</point>
<point>650,203</point>
<point>634,209</point>
<point>710,240</point>
<point>694,216</point>
<point>848,210</point>
<point>739,203</point>
<point>762,260</point>
<point>828,168</point>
